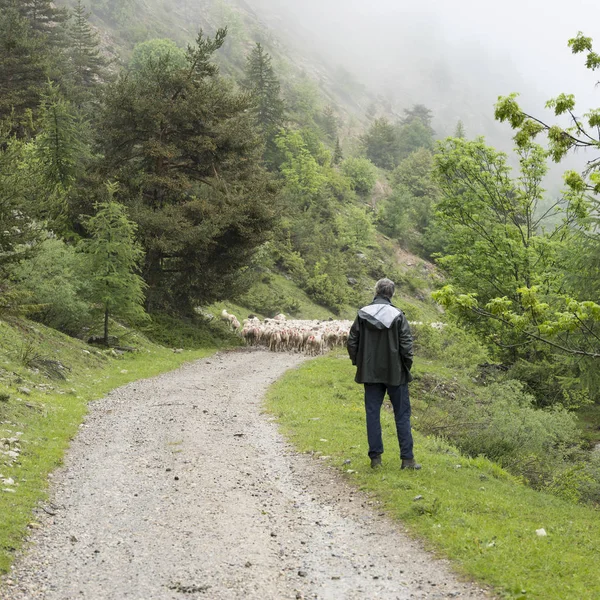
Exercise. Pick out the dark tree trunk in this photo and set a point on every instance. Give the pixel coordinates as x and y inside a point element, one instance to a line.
<point>106,326</point>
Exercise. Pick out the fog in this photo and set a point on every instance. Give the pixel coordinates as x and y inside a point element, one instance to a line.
<point>455,56</point>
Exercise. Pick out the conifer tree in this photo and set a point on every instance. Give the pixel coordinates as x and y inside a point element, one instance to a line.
<point>23,68</point>
<point>459,131</point>
<point>421,113</point>
<point>87,64</point>
<point>265,88</point>
<point>183,144</point>
<point>115,285</point>
<point>59,150</point>
<point>338,154</point>
<point>329,123</point>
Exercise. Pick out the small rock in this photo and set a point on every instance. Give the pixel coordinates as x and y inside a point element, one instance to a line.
<point>25,391</point>
<point>419,497</point>
<point>302,573</point>
<point>347,461</point>
<point>248,564</point>
<point>541,532</point>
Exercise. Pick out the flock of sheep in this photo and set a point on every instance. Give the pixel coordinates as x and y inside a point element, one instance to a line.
<point>282,335</point>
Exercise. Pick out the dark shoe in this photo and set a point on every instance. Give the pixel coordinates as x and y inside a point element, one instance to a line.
<point>376,462</point>
<point>410,463</point>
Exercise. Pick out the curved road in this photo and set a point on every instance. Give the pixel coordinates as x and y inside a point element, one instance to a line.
<point>180,487</point>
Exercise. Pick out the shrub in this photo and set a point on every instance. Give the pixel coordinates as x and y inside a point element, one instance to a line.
<point>362,174</point>
<point>55,279</point>
<point>502,424</point>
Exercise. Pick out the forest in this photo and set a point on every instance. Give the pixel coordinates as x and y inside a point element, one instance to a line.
<point>146,176</point>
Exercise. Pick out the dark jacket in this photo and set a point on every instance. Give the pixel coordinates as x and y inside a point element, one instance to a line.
<point>380,344</point>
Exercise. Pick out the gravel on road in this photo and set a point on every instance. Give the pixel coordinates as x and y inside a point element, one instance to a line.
<point>181,487</point>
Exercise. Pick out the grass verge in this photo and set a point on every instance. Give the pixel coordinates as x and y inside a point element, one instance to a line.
<point>470,510</point>
<point>46,382</point>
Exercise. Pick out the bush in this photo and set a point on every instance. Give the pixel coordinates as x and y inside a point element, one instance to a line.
<point>502,424</point>
<point>56,281</point>
<point>453,345</point>
<point>362,174</point>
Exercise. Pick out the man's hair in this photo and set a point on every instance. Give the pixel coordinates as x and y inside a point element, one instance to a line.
<point>385,287</point>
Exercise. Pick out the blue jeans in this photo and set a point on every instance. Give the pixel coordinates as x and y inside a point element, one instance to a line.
<point>374,395</point>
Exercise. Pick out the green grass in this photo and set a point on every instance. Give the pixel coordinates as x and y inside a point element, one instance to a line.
<point>472,511</point>
<point>44,413</point>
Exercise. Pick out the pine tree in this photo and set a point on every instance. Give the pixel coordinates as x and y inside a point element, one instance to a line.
<point>44,17</point>
<point>460,131</point>
<point>59,150</point>
<point>338,155</point>
<point>184,146</point>
<point>115,285</point>
<point>265,89</point>
<point>421,113</point>
<point>87,65</point>
<point>23,68</point>
<point>329,123</point>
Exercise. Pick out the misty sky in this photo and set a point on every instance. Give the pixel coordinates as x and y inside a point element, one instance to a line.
<point>457,55</point>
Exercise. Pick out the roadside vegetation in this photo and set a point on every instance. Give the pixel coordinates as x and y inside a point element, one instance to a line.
<point>466,507</point>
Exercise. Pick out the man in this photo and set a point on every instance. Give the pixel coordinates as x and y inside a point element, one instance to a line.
<point>380,346</point>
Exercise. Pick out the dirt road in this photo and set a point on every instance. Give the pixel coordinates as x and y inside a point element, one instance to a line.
<point>180,487</point>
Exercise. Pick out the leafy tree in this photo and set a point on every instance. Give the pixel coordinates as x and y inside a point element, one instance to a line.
<point>408,214</point>
<point>362,174</point>
<point>303,176</point>
<point>412,136</point>
<point>56,279</point>
<point>158,56</point>
<point>54,159</point>
<point>183,146</point>
<point>115,285</point>
<point>495,244</point>
<point>564,319</point>
<point>381,144</point>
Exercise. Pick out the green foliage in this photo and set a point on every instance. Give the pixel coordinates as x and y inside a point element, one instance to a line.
<point>23,66</point>
<point>17,228</point>
<point>381,144</point>
<point>183,146</point>
<point>494,240</point>
<point>114,256</point>
<point>327,284</point>
<point>501,423</point>
<point>86,65</point>
<point>56,279</point>
<point>451,344</point>
<point>362,173</point>
<point>412,136</point>
<point>408,213</point>
<point>303,176</point>
<point>159,57</point>
<point>263,85</point>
